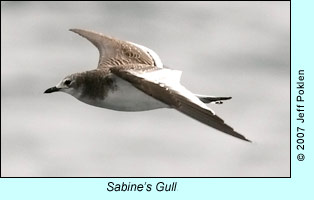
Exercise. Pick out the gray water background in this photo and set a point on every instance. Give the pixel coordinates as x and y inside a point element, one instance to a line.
<point>238,49</point>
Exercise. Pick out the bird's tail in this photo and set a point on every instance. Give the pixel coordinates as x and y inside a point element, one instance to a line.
<point>212,99</point>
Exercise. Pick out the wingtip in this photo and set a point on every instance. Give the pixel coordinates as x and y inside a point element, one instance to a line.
<point>89,34</point>
<point>75,30</point>
<point>243,138</point>
<point>247,140</point>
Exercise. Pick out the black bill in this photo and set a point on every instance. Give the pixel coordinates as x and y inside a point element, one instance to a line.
<point>52,89</point>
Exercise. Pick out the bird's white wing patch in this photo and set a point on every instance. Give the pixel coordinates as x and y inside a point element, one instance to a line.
<point>152,53</point>
<point>164,75</point>
<point>169,78</point>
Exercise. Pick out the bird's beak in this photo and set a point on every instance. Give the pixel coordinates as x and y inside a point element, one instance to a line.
<point>52,89</point>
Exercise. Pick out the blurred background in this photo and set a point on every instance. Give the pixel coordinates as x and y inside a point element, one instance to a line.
<point>238,49</point>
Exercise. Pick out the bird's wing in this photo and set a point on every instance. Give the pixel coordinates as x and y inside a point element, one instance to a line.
<point>175,95</point>
<point>114,52</point>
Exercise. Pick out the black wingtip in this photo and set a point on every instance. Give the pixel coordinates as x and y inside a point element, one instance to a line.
<point>238,135</point>
<point>247,140</point>
<point>242,138</point>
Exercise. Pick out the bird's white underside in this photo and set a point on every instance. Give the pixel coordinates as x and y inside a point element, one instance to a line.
<point>125,97</point>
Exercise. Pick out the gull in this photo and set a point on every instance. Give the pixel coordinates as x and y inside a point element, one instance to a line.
<point>131,77</point>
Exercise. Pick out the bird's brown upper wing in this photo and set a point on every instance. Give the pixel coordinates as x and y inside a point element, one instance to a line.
<point>114,52</point>
<point>175,99</point>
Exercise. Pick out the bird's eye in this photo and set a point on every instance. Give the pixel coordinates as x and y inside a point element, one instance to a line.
<point>67,82</point>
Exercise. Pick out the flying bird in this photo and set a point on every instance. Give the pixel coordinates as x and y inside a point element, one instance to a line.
<point>131,77</point>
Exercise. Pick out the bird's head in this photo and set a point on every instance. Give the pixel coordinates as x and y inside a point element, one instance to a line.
<point>68,85</point>
<point>93,84</point>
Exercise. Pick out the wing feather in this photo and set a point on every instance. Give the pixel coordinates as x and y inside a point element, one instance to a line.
<point>175,98</point>
<point>114,52</point>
